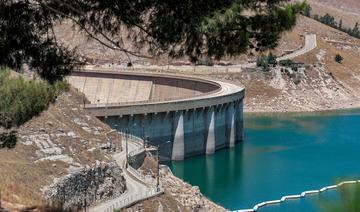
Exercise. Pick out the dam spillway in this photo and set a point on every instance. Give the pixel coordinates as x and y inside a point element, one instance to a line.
<point>184,116</point>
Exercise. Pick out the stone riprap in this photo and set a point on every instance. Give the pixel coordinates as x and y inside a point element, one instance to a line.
<point>87,186</point>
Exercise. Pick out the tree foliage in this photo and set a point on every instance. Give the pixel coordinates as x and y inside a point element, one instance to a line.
<point>266,62</point>
<point>327,19</point>
<point>307,10</point>
<point>177,28</point>
<point>349,200</point>
<point>8,140</point>
<point>26,38</point>
<point>330,21</point>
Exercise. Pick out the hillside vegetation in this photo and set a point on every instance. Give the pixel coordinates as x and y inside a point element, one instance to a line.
<point>21,100</point>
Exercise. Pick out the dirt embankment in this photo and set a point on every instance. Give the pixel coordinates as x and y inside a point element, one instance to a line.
<point>64,139</point>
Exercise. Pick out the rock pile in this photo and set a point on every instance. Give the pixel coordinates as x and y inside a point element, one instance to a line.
<point>87,186</point>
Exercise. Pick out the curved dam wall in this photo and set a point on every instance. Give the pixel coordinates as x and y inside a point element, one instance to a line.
<point>132,87</point>
<point>193,117</point>
<point>186,133</point>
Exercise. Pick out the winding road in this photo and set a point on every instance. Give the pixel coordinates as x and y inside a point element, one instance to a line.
<point>134,186</point>
<point>310,44</point>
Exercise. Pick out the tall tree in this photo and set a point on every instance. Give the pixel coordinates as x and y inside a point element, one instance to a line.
<point>341,24</point>
<point>356,31</point>
<point>307,10</point>
<point>193,28</point>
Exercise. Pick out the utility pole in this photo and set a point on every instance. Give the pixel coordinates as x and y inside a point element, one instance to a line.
<point>63,198</point>
<point>143,131</point>
<point>158,169</point>
<point>126,148</point>
<point>157,146</point>
<point>85,201</point>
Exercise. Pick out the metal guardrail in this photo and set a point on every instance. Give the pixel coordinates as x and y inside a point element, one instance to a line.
<point>151,192</point>
<point>95,105</point>
<point>106,105</point>
<point>139,175</point>
<point>136,151</point>
<point>302,195</point>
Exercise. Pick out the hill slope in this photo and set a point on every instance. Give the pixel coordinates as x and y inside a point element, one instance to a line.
<point>51,147</point>
<point>347,10</point>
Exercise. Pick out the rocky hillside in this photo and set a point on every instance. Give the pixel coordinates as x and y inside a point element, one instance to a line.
<point>178,196</point>
<point>56,157</point>
<point>320,85</point>
<point>97,54</point>
<point>347,10</point>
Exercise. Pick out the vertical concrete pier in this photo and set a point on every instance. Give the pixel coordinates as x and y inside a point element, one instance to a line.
<point>232,126</point>
<point>178,143</point>
<point>210,142</point>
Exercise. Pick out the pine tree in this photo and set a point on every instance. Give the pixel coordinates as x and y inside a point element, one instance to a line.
<point>202,28</point>
<point>307,11</point>
<point>356,31</point>
<point>340,24</point>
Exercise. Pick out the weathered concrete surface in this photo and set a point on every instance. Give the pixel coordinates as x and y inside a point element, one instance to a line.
<point>178,144</point>
<point>103,88</point>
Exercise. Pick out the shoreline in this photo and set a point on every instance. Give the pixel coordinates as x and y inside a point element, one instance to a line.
<point>351,105</point>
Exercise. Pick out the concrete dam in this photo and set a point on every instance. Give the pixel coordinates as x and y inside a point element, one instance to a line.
<point>184,116</point>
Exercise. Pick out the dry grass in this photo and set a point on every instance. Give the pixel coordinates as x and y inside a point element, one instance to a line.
<point>21,178</point>
<point>343,72</point>
<point>347,10</point>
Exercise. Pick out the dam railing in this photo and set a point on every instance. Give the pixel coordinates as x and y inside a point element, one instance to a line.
<point>119,104</point>
<point>133,199</point>
<point>151,191</point>
<point>298,196</point>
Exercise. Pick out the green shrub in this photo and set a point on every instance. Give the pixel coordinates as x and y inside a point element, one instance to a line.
<point>207,62</point>
<point>21,99</point>
<point>272,59</point>
<point>286,63</point>
<point>264,62</point>
<point>8,140</point>
<point>338,58</point>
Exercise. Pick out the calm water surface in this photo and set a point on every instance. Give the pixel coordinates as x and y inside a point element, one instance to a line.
<point>281,155</point>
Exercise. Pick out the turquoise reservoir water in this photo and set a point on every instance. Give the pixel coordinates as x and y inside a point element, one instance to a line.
<point>281,155</point>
